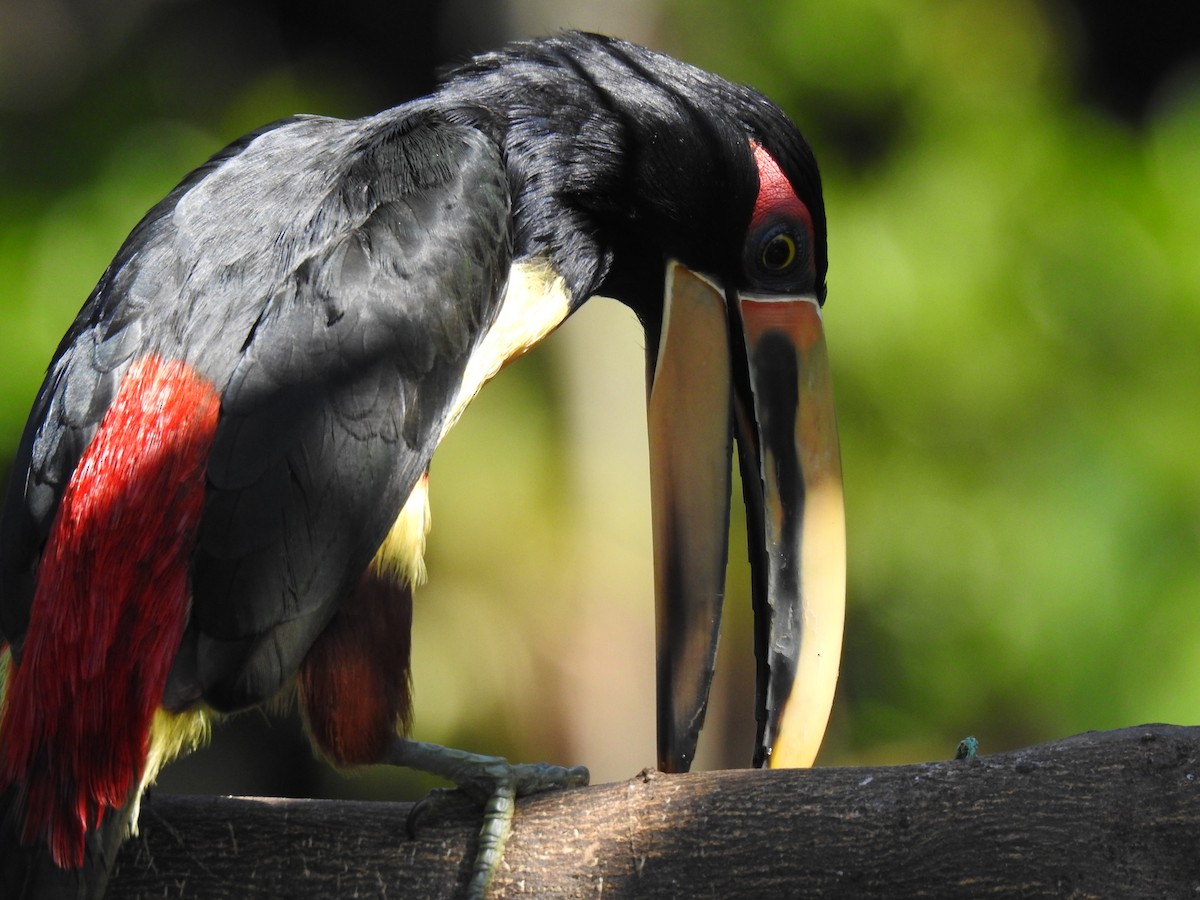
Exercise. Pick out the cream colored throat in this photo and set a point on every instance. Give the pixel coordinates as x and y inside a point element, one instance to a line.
<point>535,302</point>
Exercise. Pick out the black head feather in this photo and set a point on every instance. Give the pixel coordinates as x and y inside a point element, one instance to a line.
<point>620,157</point>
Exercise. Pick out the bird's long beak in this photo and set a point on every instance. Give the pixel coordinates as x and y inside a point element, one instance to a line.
<point>757,367</point>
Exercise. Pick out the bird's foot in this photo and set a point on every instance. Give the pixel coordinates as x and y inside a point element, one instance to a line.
<point>490,782</point>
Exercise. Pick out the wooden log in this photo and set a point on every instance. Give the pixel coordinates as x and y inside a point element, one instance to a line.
<point>1103,814</point>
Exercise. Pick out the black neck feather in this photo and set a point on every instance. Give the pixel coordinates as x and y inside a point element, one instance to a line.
<point>620,157</point>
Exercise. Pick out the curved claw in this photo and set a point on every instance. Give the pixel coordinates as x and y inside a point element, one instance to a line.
<point>967,748</point>
<point>491,782</point>
<point>437,800</point>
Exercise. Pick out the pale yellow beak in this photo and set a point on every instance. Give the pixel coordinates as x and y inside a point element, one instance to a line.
<point>754,366</point>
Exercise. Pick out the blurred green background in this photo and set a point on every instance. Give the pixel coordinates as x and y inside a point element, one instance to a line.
<point>1013,191</point>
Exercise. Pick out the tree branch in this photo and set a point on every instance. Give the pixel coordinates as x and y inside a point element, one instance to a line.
<point>1103,814</point>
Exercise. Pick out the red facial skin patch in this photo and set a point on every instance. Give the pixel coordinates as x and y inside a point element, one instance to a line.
<point>109,609</point>
<point>776,198</point>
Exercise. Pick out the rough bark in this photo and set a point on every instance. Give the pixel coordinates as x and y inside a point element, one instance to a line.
<point>1104,814</point>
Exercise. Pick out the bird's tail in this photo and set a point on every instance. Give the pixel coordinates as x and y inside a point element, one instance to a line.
<point>28,871</point>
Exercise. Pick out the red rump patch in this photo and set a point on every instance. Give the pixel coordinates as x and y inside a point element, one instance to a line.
<point>109,610</point>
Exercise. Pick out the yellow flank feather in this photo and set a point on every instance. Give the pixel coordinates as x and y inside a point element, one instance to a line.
<point>171,735</point>
<point>401,556</point>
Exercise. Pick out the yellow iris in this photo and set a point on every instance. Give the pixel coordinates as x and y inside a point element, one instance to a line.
<point>779,252</point>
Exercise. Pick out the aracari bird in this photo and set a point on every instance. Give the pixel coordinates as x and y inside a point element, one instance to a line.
<point>221,492</point>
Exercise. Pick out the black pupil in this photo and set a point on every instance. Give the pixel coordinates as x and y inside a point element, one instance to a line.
<point>778,252</point>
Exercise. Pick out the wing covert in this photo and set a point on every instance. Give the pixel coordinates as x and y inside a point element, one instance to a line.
<point>330,278</point>
<point>338,397</point>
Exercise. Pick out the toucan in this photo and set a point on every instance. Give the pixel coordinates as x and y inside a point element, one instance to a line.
<point>221,494</point>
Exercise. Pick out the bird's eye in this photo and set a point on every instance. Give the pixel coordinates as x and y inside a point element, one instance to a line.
<point>778,255</point>
<point>778,252</point>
